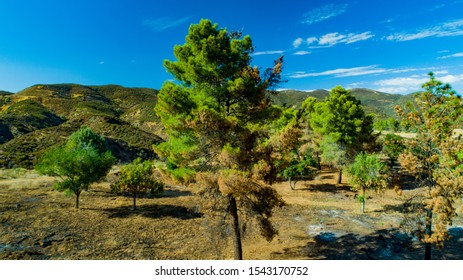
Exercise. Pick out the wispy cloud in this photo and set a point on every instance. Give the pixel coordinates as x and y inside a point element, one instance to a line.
<point>297,43</point>
<point>401,85</point>
<point>311,40</point>
<point>332,39</point>
<point>352,38</point>
<point>269,52</point>
<point>451,28</point>
<point>395,85</point>
<point>460,54</point>
<point>335,38</point>
<point>301,53</point>
<point>341,72</point>
<point>161,24</point>
<point>324,13</point>
<point>405,85</point>
<point>451,79</point>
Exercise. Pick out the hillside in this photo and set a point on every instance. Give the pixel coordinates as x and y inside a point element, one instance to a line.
<point>40,116</point>
<point>2,92</point>
<point>380,103</point>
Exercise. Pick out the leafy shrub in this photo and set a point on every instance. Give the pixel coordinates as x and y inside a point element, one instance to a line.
<point>367,172</point>
<point>136,178</point>
<point>305,168</point>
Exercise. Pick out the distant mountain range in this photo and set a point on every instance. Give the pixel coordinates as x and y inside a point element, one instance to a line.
<point>43,115</point>
<point>40,116</point>
<point>380,103</point>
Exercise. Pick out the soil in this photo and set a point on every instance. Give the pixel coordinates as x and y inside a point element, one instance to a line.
<point>321,220</point>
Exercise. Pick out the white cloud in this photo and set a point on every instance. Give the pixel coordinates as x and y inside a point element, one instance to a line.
<point>323,13</point>
<point>352,38</point>
<point>331,39</point>
<point>164,23</point>
<point>269,52</point>
<point>451,79</point>
<point>405,85</point>
<point>401,85</point>
<point>297,43</point>
<point>302,53</point>
<point>395,90</point>
<point>406,70</point>
<point>389,20</point>
<point>341,72</point>
<point>403,81</point>
<point>452,28</point>
<point>452,55</point>
<point>441,72</point>
<point>311,40</point>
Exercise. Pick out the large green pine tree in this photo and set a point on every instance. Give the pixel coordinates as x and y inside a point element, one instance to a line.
<point>215,116</point>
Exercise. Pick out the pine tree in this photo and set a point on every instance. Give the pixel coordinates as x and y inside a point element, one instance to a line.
<point>341,118</point>
<point>435,157</point>
<point>216,117</point>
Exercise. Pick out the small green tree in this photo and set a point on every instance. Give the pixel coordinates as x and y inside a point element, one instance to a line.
<point>393,146</point>
<point>334,154</point>
<point>342,118</point>
<point>298,169</point>
<point>137,177</point>
<point>390,124</point>
<point>81,161</point>
<point>366,172</point>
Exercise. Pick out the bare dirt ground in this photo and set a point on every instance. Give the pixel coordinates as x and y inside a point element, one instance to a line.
<point>321,221</point>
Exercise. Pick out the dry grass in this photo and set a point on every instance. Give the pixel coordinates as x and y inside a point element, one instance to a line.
<point>321,221</point>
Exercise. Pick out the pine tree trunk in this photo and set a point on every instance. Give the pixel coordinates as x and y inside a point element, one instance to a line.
<point>134,201</point>
<point>77,199</point>
<point>238,250</point>
<point>428,231</point>
<point>364,198</point>
<point>340,176</point>
<point>292,184</point>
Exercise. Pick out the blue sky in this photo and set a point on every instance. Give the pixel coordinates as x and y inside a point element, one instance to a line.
<point>387,46</point>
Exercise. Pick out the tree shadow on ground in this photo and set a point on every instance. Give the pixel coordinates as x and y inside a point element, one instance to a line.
<point>154,212</point>
<point>324,188</point>
<point>165,193</point>
<point>175,193</point>
<point>384,244</point>
<point>406,207</point>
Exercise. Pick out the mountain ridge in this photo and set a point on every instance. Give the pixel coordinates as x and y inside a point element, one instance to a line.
<point>37,117</point>
<point>34,119</point>
<point>380,103</point>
